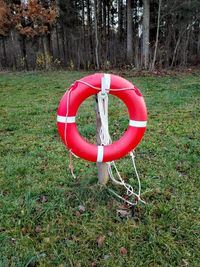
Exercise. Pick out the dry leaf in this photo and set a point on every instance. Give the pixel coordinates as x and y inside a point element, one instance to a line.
<point>13,240</point>
<point>106,257</point>
<point>123,213</point>
<point>77,213</point>
<point>43,199</point>
<point>123,206</point>
<point>153,264</point>
<point>100,240</point>
<point>110,205</point>
<point>110,233</point>
<point>184,263</point>
<point>81,208</point>
<point>47,240</point>
<point>24,230</point>
<point>32,264</point>
<point>123,251</point>
<point>38,229</point>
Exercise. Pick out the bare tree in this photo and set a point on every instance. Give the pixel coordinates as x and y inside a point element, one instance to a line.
<point>157,36</point>
<point>96,35</point>
<point>129,42</point>
<point>145,34</point>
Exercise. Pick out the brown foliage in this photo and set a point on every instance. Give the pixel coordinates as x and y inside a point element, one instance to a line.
<point>29,18</point>
<point>4,18</point>
<point>33,19</point>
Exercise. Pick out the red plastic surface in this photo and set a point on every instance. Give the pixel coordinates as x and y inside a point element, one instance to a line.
<point>79,92</point>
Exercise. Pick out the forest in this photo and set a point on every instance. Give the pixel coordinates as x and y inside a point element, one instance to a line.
<point>99,34</point>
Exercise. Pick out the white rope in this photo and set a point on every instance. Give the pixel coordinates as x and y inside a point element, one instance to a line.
<point>71,167</point>
<point>130,192</point>
<point>103,112</point>
<point>99,89</point>
<point>105,140</point>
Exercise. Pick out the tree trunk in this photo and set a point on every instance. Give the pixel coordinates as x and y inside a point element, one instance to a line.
<point>108,21</point>
<point>104,34</point>
<point>1,67</point>
<point>198,45</point>
<point>64,46</point>
<point>57,41</point>
<point>136,52</point>
<point>4,53</point>
<point>104,19</point>
<point>14,63</point>
<point>157,36</point>
<point>145,34</point>
<point>89,25</point>
<point>184,56</point>
<point>96,35</point>
<point>100,27</point>
<point>129,41</point>
<point>120,19</point>
<point>176,46</point>
<point>46,52</point>
<point>24,52</point>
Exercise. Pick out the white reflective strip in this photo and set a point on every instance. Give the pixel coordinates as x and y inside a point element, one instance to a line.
<point>100,153</point>
<point>65,119</point>
<point>139,124</point>
<point>105,83</point>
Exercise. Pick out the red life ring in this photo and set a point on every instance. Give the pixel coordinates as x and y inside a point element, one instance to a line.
<point>86,87</point>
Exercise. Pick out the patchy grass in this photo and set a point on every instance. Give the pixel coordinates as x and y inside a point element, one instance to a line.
<point>40,222</point>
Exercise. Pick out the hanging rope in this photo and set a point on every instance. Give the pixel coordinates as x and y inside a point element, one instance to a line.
<point>105,140</point>
<point>103,112</point>
<point>99,89</point>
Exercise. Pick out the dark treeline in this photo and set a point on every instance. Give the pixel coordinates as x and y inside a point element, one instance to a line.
<point>88,34</point>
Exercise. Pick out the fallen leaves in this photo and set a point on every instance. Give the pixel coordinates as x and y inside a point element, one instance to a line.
<point>43,199</point>
<point>32,264</point>
<point>184,262</point>
<point>106,257</point>
<point>100,240</point>
<point>77,213</point>
<point>123,251</point>
<point>24,230</point>
<point>38,229</point>
<point>123,213</point>
<point>46,240</point>
<point>81,208</point>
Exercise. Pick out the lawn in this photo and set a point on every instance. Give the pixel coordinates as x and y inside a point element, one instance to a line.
<point>40,221</point>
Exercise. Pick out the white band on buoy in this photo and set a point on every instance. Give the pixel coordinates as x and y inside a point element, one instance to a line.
<point>105,83</point>
<point>100,153</point>
<point>139,124</point>
<point>64,119</point>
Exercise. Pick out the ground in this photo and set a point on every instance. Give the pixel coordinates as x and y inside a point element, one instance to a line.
<point>41,220</point>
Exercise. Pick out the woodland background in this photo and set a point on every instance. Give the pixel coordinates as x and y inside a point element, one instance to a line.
<point>94,34</point>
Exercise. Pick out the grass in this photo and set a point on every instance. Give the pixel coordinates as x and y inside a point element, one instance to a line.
<point>40,222</point>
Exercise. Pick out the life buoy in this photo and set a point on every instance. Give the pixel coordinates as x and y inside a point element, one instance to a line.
<point>83,89</point>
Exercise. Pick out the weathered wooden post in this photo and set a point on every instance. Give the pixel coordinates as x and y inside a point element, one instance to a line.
<point>103,176</point>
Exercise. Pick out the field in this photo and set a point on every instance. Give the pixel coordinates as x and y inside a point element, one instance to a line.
<point>41,224</point>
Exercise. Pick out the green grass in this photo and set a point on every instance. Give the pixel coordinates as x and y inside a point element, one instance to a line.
<point>39,199</point>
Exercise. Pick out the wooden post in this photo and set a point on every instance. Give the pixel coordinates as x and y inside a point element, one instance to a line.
<point>103,176</point>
